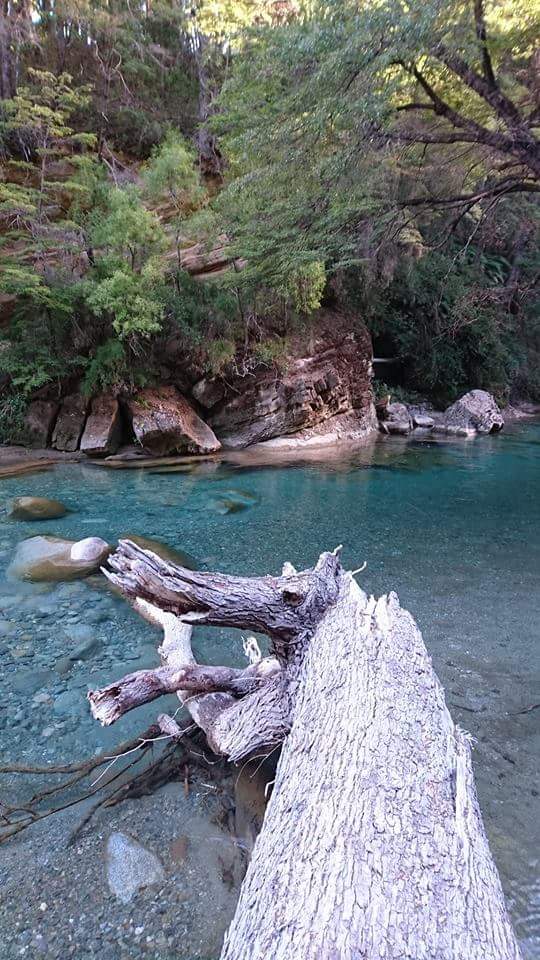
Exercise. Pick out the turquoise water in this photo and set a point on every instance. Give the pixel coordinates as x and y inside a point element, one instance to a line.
<point>453,527</point>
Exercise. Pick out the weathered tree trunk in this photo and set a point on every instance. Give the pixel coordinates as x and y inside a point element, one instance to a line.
<point>372,845</point>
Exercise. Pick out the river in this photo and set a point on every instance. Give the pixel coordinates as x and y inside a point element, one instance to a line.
<point>452,526</point>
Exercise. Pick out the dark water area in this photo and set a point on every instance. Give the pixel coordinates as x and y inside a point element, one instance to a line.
<point>452,526</point>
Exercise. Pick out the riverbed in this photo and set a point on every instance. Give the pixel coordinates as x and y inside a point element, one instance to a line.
<point>452,525</point>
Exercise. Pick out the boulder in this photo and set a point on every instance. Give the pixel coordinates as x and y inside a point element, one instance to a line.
<point>397,419</point>
<point>315,391</point>
<point>36,508</point>
<point>423,421</point>
<point>39,422</point>
<point>103,430</point>
<point>475,412</point>
<point>164,422</point>
<point>53,558</point>
<point>70,422</point>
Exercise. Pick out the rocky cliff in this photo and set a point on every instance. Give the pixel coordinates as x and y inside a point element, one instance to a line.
<point>317,398</point>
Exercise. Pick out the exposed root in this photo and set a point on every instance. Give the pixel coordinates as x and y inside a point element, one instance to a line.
<point>178,754</point>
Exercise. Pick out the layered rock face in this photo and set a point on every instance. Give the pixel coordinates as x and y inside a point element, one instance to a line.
<point>164,422</point>
<point>325,395</point>
<point>319,399</point>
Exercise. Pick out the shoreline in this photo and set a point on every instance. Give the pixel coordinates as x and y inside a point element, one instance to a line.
<point>16,459</point>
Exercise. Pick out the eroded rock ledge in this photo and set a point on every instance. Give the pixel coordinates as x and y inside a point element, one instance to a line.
<point>320,398</point>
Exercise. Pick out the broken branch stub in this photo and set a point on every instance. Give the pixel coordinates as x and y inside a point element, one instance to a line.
<point>240,711</point>
<point>282,607</point>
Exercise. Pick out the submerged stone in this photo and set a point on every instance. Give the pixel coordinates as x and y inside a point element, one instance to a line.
<point>225,505</point>
<point>36,508</point>
<point>163,550</point>
<point>130,867</point>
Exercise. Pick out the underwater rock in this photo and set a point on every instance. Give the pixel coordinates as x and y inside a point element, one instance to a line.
<point>163,550</point>
<point>241,496</point>
<point>130,867</point>
<point>475,412</point>
<point>36,508</point>
<point>53,558</point>
<point>164,422</point>
<point>227,505</point>
<point>70,422</point>
<point>103,430</point>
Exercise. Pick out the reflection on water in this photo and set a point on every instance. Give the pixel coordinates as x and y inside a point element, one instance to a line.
<point>453,527</point>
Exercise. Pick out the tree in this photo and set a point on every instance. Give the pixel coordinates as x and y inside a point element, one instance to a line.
<point>382,110</point>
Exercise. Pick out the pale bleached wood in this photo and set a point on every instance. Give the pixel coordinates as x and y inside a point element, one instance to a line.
<point>373,846</point>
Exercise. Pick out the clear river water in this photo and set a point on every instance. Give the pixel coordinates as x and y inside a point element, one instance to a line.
<point>452,526</point>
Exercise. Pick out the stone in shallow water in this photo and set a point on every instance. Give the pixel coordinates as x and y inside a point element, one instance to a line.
<point>163,550</point>
<point>36,508</point>
<point>52,558</point>
<point>27,682</point>
<point>130,867</point>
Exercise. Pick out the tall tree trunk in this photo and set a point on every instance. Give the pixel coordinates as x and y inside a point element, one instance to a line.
<point>372,845</point>
<point>7,55</point>
<point>210,156</point>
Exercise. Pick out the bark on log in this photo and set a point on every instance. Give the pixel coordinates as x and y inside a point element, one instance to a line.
<point>373,846</point>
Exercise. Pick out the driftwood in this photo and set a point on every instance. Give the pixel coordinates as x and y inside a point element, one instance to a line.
<point>373,845</point>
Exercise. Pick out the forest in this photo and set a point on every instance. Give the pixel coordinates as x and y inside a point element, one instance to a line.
<point>378,157</point>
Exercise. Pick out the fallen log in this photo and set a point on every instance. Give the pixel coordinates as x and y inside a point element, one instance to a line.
<point>372,845</point>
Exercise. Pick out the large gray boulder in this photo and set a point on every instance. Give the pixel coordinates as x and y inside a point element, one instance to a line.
<point>103,430</point>
<point>53,558</point>
<point>36,508</point>
<point>70,423</point>
<point>164,422</point>
<point>475,412</point>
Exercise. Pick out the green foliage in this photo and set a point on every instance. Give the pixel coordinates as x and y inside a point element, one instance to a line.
<point>172,175</point>
<point>127,234</point>
<point>305,287</point>
<point>274,352</point>
<point>219,354</point>
<point>108,367</point>
<point>129,299</point>
<point>438,318</point>
<point>12,410</point>
<point>344,168</point>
